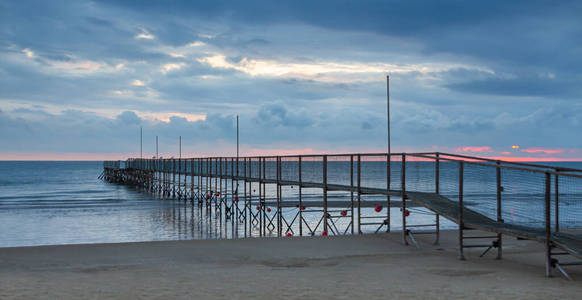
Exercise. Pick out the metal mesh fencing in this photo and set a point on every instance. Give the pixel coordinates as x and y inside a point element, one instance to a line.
<point>312,169</point>
<point>523,197</point>
<point>340,170</point>
<point>395,172</point>
<point>421,174</point>
<point>289,168</point>
<point>270,168</point>
<point>480,189</point>
<point>449,179</point>
<point>373,170</point>
<point>569,200</point>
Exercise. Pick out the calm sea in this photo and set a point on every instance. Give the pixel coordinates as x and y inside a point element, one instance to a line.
<point>50,203</point>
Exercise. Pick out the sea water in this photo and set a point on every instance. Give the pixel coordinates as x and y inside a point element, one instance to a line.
<point>53,203</point>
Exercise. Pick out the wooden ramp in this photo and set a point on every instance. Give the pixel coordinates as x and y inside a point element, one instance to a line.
<point>443,206</point>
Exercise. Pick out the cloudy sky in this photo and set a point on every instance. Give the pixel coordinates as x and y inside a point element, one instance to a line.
<point>79,78</point>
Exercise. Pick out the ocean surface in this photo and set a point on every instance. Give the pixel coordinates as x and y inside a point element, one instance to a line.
<point>53,203</point>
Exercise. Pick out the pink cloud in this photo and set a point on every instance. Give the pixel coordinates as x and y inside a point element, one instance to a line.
<point>473,149</point>
<point>277,152</point>
<point>506,153</point>
<point>544,151</point>
<point>535,159</point>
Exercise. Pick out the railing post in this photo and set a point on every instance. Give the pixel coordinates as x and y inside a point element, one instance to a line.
<point>460,213</point>
<point>352,192</point>
<point>193,171</point>
<point>388,192</point>
<point>278,179</point>
<point>325,193</point>
<point>499,212</point>
<point>403,198</point>
<point>233,190</point>
<point>300,200</point>
<point>260,212</point>
<point>359,195</point>
<point>173,178</point>
<point>556,203</point>
<point>209,177</point>
<point>437,191</point>
<point>548,243</point>
<point>244,193</point>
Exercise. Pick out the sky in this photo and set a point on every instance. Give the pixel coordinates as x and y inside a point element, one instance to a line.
<point>79,78</point>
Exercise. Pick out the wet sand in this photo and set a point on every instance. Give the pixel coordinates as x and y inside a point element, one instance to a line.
<point>365,267</point>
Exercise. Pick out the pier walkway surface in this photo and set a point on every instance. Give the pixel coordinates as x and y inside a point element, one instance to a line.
<point>523,200</point>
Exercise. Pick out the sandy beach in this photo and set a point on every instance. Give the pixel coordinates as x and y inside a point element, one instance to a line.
<point>365,267</point>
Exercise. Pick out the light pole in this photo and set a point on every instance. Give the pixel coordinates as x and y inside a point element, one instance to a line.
<point>388,109</point>
<point>389,156</point>
<point>140,142</point>
<point>237,145</point>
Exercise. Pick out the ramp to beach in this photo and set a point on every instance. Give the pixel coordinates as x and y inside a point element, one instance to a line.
<point>441,205</point>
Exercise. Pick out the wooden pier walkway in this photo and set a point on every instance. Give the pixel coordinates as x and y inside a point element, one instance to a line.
<point>527,201</point>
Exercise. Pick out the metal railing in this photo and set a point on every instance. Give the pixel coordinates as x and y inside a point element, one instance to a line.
<point>533,197</point>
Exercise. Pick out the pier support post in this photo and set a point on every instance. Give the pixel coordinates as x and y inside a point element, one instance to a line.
<point>325,193</point>
<point>548,242</point>
<point>352,193</point>
<point>173,178</point>
<point>437,191</point>
<point>556,203</point>
<point>279,196</point>
<point>499,211</point>
<point>403,191</point>
<point>388,181</point>
<point>300,199</point>
<point>359,173</point>
<point>460,213</point>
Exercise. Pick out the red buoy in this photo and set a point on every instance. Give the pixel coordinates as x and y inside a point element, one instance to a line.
<point>378,208</point>
<point>258,208</point>
<point>324,233</point>
<point>289,234</point>
<point>207,196</point>
<point>344,213</point>
<point>268,209</point>
<point>254,191</point>
<point>236,198</point>
<point>217,194</point>
<point>302,207</point>
<point>406,213</point>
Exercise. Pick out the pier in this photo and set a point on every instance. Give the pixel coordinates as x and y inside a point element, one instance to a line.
<point>369,192</point>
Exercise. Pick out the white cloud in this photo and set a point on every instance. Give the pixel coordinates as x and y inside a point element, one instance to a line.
<point>172,66</point>
<point>166,116</point>
<point>28,52</point>
<point>196,44</point>
<point>144,34</point>
<point>137,82</point>
<point>327,71</point>
<point>210,77</point>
